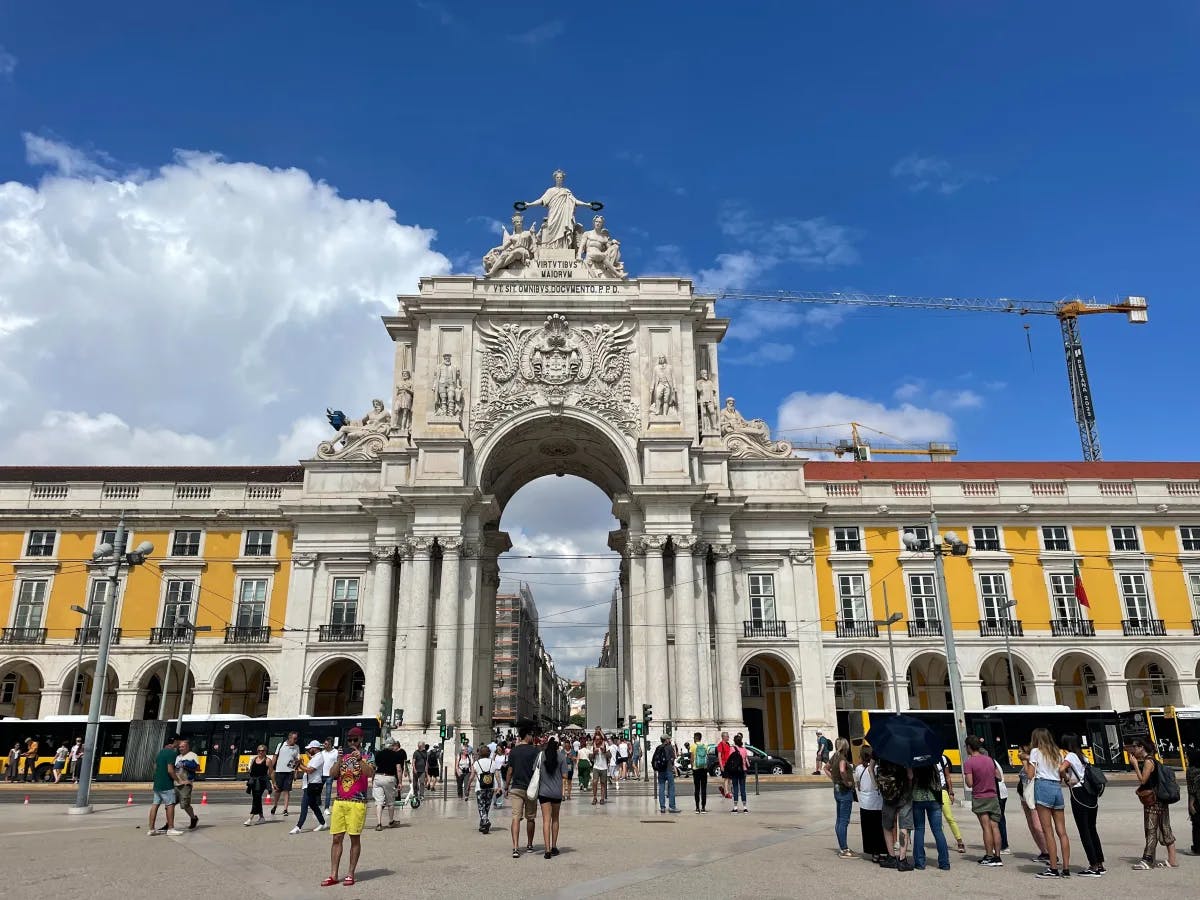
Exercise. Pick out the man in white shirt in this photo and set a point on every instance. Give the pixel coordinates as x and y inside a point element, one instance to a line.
<point>76,758</point>
<point>329,756</point>
<point>287,755</point>
<point>499,764</point>
<point>623,759</point>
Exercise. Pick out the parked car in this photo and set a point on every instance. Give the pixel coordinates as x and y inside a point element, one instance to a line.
<point>761,762</point>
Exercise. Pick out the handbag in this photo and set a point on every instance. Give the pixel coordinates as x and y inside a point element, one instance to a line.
<point>535,781</point>
<point>1027,795</point>
<point>1148,796</point>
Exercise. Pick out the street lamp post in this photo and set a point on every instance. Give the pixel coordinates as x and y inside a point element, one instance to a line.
<point>957,548</point>
<point>892,619</point>
<point>1007,625</point>
<point>187,670</point>
<point>116,555</point>
<point>166,691</point>
<point>87,616</point>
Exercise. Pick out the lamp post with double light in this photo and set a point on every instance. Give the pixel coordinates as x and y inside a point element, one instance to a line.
<point>1006,626</point>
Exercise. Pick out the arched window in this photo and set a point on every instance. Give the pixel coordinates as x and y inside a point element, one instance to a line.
<point>751,681</point>
<point>8,688</point>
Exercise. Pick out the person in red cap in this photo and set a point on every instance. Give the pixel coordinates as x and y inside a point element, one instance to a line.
<point>351,775</point>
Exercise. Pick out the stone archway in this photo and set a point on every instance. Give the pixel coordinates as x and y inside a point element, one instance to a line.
<point>75,697</point>
<point>336,689</point>
<point>859,682</point>
<point>928,682</point>
<point>151,702</point>
<point>768,706</point>
<point>242,687</point>
<point>1079,682</point>
<point>21,684</point>
<point>995,680</point>
<point>1151,680</point>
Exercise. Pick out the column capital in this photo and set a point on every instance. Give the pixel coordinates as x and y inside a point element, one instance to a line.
<point>724,551</point>
<point>801,556</point>
<point>384,554</point>
<point>684,543</point>
<point>418,545</point>
<point>647,543</point>
<point>450,543</point>
<point>304,560</point>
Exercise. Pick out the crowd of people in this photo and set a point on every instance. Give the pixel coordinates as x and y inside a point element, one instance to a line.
<point>898,802</point>
<point>21,763</point>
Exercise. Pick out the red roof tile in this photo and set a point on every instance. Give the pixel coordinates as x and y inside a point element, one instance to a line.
<point>989,471</point>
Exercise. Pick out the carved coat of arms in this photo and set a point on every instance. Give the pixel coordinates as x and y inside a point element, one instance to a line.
<point>553,365</point>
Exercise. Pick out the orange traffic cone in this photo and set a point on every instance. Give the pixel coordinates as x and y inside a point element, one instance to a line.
<point>204,799</point>
<point>129,801</point>
<point>26,799</point>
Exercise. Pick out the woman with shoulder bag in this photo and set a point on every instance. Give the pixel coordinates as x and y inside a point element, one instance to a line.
<point>870,806</point>
<point>1085,806</point>
<point>841,774</point>
<point>1156,814</point>
<point>1025,795</point>
<point>256,784</point>
<point>1046,766</point>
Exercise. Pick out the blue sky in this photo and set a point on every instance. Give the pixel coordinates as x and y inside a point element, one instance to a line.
<point>191,176</point>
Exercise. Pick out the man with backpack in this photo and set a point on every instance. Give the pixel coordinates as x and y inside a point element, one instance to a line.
<point>824,749</point>
<point>663,763</point>
<point>700,772</point>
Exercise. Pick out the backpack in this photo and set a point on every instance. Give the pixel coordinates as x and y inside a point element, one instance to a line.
<point>887,778</point>
<point>701,756</point>
<point>487,779</point>
<point>1094,779</point>
<point>1167,789</point>
<point>659,760</point>
<point>734,765</point>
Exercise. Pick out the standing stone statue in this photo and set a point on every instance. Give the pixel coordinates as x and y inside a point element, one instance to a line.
<point>514,252</point>
<point>560,229</point>
<point>706,397</point>
<point>447,389</point>
<point>601,251</point>
<point>662,388</point>
<point>402,407</point>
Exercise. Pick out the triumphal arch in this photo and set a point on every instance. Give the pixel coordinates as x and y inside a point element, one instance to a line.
<point>555,360</point>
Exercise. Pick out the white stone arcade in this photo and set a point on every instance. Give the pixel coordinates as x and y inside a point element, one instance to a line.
<point>550,365</point>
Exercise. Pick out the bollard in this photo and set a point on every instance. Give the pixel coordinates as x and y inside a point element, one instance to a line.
<point>26,800</point>
<point>129,800</point>
<point>204,799</point>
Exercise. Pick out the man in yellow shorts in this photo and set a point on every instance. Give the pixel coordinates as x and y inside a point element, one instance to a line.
<point>351,775</point>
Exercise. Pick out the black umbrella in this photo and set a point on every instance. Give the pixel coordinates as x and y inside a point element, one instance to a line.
<point>905,741</point>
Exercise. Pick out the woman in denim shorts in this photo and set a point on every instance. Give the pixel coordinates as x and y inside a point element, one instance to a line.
<point>1045,766</point>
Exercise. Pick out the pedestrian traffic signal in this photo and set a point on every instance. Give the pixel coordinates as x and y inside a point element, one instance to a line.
<point>639,729</point>
<point>624,734</point>
<point>441,719</point>
<point>463,737</point>
<point>647,714</point>
<point>667,726</point>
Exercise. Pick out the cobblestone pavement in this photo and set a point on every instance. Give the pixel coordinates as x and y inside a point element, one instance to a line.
<point>783,848</point>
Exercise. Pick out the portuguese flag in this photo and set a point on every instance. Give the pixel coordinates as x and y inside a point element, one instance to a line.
<point>1080,593</point>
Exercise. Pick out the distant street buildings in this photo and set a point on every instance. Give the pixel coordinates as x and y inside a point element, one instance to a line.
<point>526,686</point>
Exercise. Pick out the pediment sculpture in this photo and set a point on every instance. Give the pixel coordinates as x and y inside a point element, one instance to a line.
<point>361,438</point>
<point>555,364</point>
<point>749,439</point>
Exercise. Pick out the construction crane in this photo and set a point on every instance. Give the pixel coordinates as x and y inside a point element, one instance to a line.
<point>1067,312</point>
<point>861,450</point>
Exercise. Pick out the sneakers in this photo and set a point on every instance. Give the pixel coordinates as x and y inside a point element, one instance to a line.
<point>904,865</point>
<point>173,832</point>
<point>675,810</point>
<point>1048,873</point>
<point>991,861</point>
<point>888,862</point>
<point>1043,858</point>
<point>249,821</point>
<point>846,854</point>
<point>155,832</point>
<point>195,822</point>
<point>295,830</point>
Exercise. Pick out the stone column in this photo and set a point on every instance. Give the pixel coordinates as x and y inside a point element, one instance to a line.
<point>1043,692</point>
<point>471,632</point>
<point>687,643</point>
<point>635,650</point>
<point>729,672</point>
<point>379,615</point>
<point>412,648</point>
<point>658,683</point>
<point>293,662</point>
<point>126,703</point>
<point>445,656</point>
<point>708,701</point>
<point>201,700</point>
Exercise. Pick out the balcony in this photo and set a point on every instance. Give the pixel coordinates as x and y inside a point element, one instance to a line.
<point>924,628</point>
<point>760,628</point>
<point>91,635</point>
<point>334,634</point>
<point>850,628</point>
<point>22,635</point>
<point>1000,627</point>
<point>248,634</point>
<point>1143,627</point>
<point>1072,628</point>
<point>172,634</point>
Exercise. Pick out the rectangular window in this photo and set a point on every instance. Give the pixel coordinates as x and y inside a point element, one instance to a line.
<point>1194,590</point>
<point>258,543</point>
<point>985,537</point>
<point>1062,597</point>
<point>252,603</point>
<point>852,598</point>
<point>1135,596</point>
<point>186,543</point>
<point>41,543</point>
<point>762,598</point>
<point>96,598</point>
<point>178,609</point>
<point>1189,537</point>
<point>1125,537</point>
<point>31,600</point>
<point>993,590</point>
<point>920,532</point>
<point>847,540</point>
<point>924,598</point>
<point>1056,537</point>
<point>344,608</point>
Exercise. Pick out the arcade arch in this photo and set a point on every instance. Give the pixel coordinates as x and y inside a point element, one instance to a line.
<point>1079,682</point>
<point>928,682</point>
<point>995,680</point>
<point>336,689</point>
<point>1151,680</point>
<point>859,682</point>
<point>242,687</point>
<point>21,684</point>
<point>151,702</point>
<point>767,704</point>
<point>75,697</point>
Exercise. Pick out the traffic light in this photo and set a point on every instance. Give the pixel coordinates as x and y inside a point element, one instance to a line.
<point>667,726</point>
<point>397,718</point>
<point>639,729</point>
<point>624,734</point>
<point>647,715</point>
<point>441,720</point>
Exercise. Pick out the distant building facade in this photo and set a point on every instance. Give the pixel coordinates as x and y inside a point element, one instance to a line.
<point>527,688</point>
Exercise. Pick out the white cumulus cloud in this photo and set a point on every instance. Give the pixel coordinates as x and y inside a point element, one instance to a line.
<point>212,300</point>
<point>802,412</point>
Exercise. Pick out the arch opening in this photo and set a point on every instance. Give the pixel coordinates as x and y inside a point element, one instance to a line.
<point>767,708</point>
<point>337,689</point>
<point>76,694</point>
<point>151,701</point>
<point>21,686</point>
<point>996,681</point>
<point>1079,682</point>
<point>242,687</point>
<point>1151,680</point>
<point>929,682</point>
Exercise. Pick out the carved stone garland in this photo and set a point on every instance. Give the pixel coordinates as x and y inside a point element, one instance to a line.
<point>554,365</point>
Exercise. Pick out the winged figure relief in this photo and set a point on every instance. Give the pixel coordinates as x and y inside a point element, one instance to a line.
<point>610,358</point>
<point>504,349</point>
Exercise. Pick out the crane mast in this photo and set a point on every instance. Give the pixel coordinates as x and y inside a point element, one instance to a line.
<point>1066,311</point>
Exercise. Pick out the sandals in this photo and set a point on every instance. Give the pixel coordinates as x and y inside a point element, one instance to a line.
<point>348,881</point>
<point>962,848</point>
<point>379,828</point>
<point>329,882</point>
<point>1141,865</point>
<point>516,854</point>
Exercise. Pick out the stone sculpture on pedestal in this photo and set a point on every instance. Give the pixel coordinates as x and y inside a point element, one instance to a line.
<point>560,230</point>
<point>447,389</point>
<point>515,250</point>
<point>752,439</point>
<point>601,251</point>
<point>663,396</point>
<point>402,406</point>
<point>359,438</point>
<point>706,399</point>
